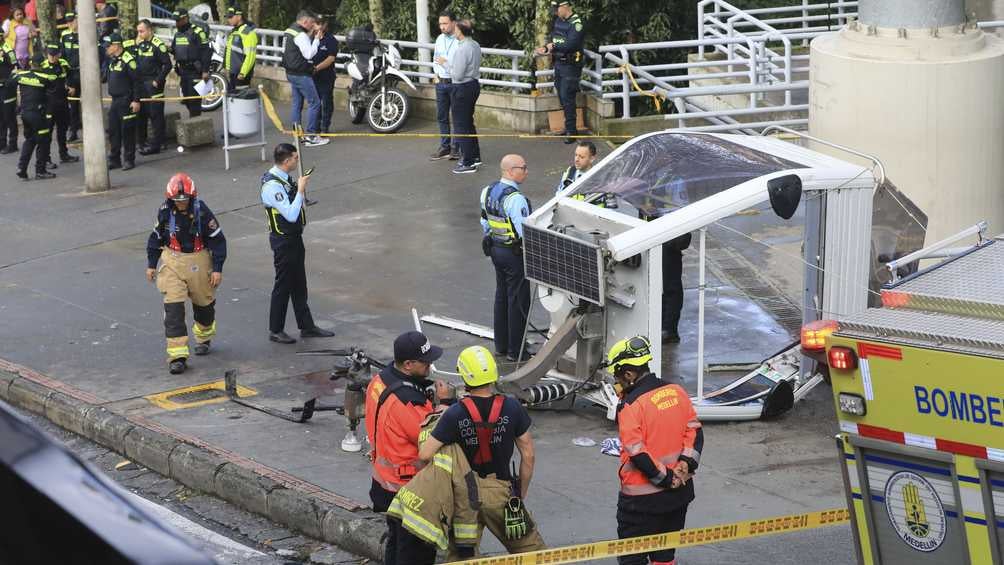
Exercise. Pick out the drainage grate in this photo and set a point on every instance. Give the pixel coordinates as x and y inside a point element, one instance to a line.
<point>197,396</point>
<point>747,278</point>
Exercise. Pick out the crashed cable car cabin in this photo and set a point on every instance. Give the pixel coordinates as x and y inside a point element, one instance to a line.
<point>595,254</point>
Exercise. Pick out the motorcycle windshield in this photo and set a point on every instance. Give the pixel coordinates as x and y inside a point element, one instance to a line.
<point>663,172</point>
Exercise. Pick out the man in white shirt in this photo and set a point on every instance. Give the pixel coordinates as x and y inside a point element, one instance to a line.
<point>302,41</point>
<point>445,45</point>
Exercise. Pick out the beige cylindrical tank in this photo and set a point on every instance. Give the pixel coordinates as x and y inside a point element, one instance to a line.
<point>928,102</point>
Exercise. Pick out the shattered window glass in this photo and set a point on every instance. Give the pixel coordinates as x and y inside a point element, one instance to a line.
<point>663,172</point>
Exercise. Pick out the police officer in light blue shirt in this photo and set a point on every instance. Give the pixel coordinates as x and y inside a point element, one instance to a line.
<point>285,213</point>
<point>445,45</point>
<point>503,210</point>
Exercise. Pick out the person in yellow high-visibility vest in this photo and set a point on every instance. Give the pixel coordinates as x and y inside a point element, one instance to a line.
<point>241,45</point>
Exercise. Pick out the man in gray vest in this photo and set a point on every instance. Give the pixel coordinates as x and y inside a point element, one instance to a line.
<point>301,45</point>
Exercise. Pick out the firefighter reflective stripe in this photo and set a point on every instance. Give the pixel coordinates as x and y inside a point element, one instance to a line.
<point>417,524</point>
<point>204,332</point>
<point>465,531</point>
<point>444,462</point>
<point>177,352</point>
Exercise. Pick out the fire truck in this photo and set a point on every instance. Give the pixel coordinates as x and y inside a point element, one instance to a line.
<point>918,385</point>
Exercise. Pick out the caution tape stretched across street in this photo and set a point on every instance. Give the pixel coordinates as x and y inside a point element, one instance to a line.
<point>683,538</point>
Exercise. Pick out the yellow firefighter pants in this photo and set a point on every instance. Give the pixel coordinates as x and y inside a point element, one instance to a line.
<point>180,277</point>
<point>494,494</point>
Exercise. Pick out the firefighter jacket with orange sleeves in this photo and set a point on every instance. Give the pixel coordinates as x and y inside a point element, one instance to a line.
<point>440,504</point>
<point>396,406</point>
<point>658,427</point>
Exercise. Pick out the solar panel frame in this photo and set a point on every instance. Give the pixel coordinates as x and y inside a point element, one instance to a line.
<point>560,261</point>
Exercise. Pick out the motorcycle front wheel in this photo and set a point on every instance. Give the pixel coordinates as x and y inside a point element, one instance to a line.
<point>388,111</point>
<point>215,99</point>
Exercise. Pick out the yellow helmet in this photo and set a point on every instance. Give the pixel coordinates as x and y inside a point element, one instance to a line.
<point>477,367</point>
<point>636,351</point>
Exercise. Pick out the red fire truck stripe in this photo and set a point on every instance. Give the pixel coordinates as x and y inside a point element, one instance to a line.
<point>870,349</point>
<point>967,449</point>
<point>881,433</point>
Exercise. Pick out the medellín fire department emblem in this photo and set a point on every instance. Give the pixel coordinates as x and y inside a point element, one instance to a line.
<point>915,511</point>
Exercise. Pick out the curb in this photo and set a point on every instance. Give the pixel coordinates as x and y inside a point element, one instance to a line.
<point>280,497</point>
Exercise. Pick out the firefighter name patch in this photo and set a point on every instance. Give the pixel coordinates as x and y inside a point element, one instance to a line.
<point>915,511</point>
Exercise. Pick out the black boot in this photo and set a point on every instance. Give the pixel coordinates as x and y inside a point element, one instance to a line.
<point>44,175</point>
<point>67,158</point>
<point>23,175</point>
<point>114,164</point>
<point>178,366</point>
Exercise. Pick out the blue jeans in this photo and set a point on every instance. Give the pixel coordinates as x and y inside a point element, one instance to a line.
<point>304,89</point>
<point>443,114</point>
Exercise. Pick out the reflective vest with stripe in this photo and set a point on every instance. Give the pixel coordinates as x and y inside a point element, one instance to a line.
<point>33,85</point>
<point>661,422</point>
<point>234,58</point>
<point>500,227</point>
<point>396,428</point>
<point>278,224</point>
<point>292,59</point>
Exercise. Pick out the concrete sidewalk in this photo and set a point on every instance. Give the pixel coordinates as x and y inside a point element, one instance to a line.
<point>391,231</point>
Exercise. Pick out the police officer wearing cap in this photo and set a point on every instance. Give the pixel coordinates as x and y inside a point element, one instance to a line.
<point>33,85</point>
<point>565,47</point>
<point>188,242</point>
<point>122,76</point>
<point>661,442</point>
<point>242,45</point>
<point>286,216</point>
<point>8,99</point>
<point>154,65</point>
<point>192,55</point>
<point>58,104</point>
<point>397,402</point>
<point>503,209</point>
<point>69,41</point>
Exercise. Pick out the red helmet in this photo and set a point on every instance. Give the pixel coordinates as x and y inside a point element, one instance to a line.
<point>181,187</point>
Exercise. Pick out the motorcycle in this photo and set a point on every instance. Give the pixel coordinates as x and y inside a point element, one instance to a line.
<point>375,95</point>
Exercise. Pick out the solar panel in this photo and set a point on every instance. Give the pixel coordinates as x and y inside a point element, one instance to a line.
<point>559,261</point>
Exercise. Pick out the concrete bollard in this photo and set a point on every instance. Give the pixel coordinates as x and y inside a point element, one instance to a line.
<point>193,132</point>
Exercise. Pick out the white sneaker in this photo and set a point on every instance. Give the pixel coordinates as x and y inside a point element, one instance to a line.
<point>316,141</point>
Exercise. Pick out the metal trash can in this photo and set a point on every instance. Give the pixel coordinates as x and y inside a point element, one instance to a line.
<point>243,117</point>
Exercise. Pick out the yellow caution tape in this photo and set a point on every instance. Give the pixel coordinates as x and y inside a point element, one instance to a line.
<point>277,122</point>
<point>656,97</point>
<point>164,99</point>
<point>683,538</point>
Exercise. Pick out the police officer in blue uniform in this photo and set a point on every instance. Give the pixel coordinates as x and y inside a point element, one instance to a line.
<point>8,100</point>
<point>503,209</point>
<point>37,122</point>
<point>565,47</point>
<point>58,103</point>
<point>122,76</point>
<point>69,41</point>
<point>154,64</point>
<point>284,200</point>
<point>192,56</point>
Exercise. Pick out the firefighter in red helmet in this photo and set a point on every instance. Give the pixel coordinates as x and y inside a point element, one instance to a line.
<point>188,242</point>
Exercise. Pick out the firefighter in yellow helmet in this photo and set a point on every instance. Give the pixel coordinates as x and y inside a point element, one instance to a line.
<point>489,426</point>
<point>661,442</point>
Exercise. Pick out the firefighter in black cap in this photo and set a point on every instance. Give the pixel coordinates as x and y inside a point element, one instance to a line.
<point>58,104</point>
<point>567,36</point>
<point>123,79</point>
<point>33,84</point>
